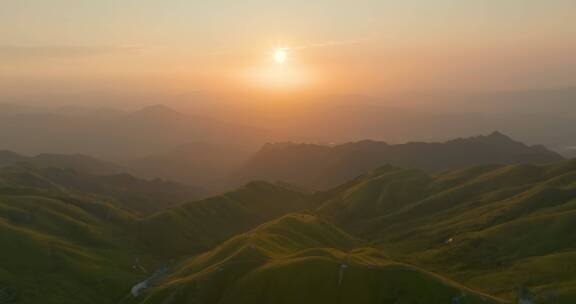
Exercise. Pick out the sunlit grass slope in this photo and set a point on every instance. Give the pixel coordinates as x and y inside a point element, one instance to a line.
<point>126,191</point>
<point>300,258</point>
<point>489,228</point>
<point>198,226</point>
<point>62,246</point>
<point>492,227</point>
<point>67,250</point>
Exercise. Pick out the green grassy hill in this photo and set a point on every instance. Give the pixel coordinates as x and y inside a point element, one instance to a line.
<point>126,191</point>
<point>302,259</point>
<point>66,250</point>
<point>198,226</point>
<point>62,246</point>
<point>76,162</point>
<point>492,227</point>
<point>472,235</point>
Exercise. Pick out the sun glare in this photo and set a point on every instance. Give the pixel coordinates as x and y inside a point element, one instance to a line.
<point>280,55</point>
<point>279,76</point>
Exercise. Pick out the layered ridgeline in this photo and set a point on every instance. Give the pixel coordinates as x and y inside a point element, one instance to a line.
<point>63,246</point>
<point>198,226</point>
<point>99,132</point>
<point>137,195</point>
<point>494,228</point>
<point>195,163</point>
<point>318,166</point>
<point>302,259</point>
<point>59,249</point>
<point>77,162</point>
<point>472,235</point>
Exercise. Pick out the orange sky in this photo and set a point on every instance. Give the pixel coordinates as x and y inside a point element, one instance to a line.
<point>338,47</point>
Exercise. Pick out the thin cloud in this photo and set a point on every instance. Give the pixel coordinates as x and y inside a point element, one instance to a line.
<point>15,51</point>
<point>330,43</point>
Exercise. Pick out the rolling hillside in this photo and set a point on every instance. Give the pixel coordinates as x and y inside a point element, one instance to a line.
<point>78,162</point>
<point>198,226</point>
<point>65,250</point>
<point>494,228</point>
<point>126,191</point>
<point>393,235</point>
<point>302,259</point>
<point>62,246</point>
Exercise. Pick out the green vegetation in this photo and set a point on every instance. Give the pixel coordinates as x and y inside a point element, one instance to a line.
<point>64,251</point>
<point>302,259</point>
<point>123,190</point>
<point>473,235</point>
<point>494,228</point>
<point>198,226</point>
<point>63,246</point>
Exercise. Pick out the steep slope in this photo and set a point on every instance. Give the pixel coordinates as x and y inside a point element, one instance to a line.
<point>61,246</point>
<point>493,227</point>
<point>302,259</point>
<point>198,226</point>
<point>64,250</point>
<point>137,195</point>
<point>319,166</point>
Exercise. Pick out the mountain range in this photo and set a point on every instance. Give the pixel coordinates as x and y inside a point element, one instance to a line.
<point>494,228</point>
<point>322,166</point>
<point>247,120</point>
<point>114,134</point>
<point>77,162</point>
<point>196,163</point>
<point>123,190</point>
<point>480,234</point>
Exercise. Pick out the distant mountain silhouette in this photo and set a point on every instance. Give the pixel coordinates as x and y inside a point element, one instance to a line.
<point>157,112</point>
<point>321,166</point>
<point>78,162</point>
<point>112,134</point>
<point>195,163</point>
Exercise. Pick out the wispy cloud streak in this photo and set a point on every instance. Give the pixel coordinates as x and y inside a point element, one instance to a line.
<point>16,51</point>
<point>330,43</point>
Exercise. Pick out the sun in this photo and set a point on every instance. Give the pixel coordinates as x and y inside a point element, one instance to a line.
<point>280,55</point>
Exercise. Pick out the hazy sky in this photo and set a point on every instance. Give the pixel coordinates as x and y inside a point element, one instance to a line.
<point>362,46</point>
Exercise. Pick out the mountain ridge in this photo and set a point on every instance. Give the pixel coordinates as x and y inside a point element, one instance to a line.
<point>492,227</point>
<point>326,166</point>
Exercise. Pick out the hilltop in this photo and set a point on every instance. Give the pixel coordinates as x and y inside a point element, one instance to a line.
<point>492,227</point>
<point>62,246</point>
<point>300,258</point>
<point>197,226</point>
<point>472,235</point>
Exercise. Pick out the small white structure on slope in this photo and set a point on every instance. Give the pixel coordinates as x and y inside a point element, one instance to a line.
<point>341,274</point>
<point>524,296</point>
